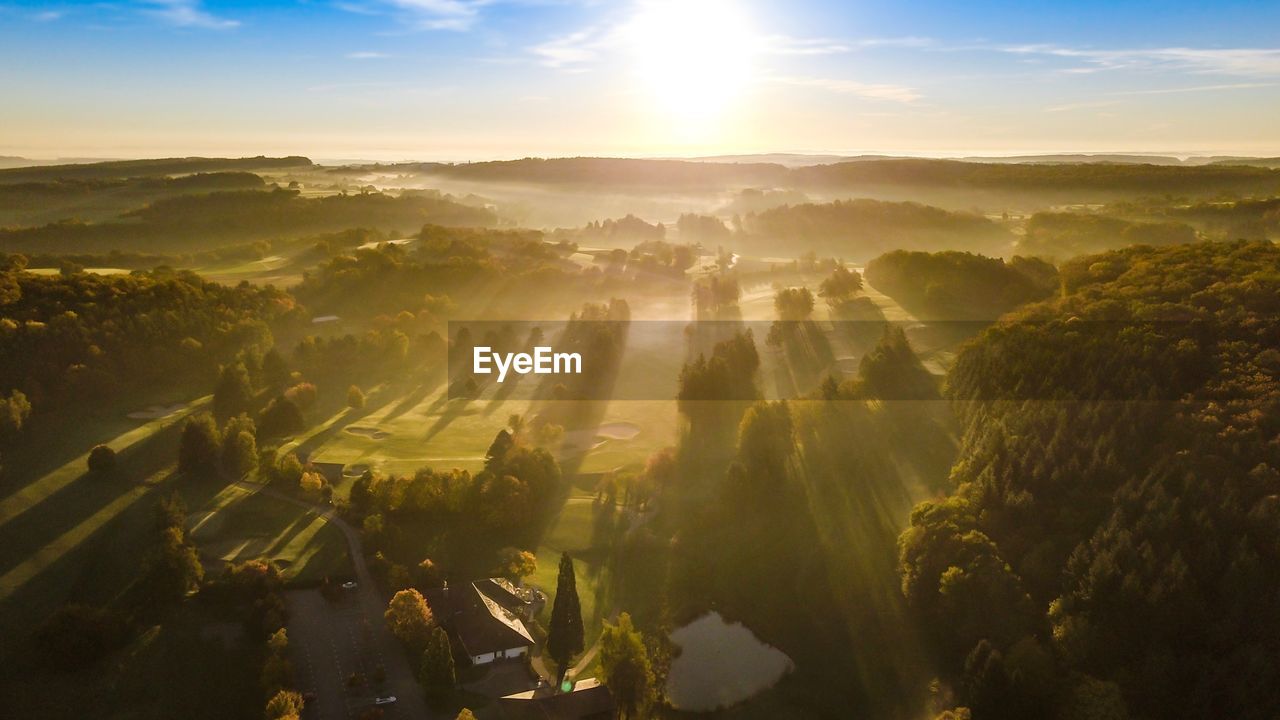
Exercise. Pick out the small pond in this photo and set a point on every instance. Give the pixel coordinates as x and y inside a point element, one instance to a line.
<point>721,664</point>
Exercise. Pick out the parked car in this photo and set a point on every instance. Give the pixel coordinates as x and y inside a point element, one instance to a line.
<point>388,700</point>
<point>349,585</point>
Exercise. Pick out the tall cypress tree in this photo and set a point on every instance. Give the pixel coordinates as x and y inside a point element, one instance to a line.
<point>565,636</point>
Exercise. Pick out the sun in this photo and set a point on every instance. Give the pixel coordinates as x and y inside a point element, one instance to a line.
<point>692,57</point>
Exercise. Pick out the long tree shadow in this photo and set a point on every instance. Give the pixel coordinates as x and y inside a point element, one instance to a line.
<point>348,417</point>
<point>456,408</point>
<point>415,398</point>
<point>80,500</point>
<point>105,567</point>
<point>504,393</point>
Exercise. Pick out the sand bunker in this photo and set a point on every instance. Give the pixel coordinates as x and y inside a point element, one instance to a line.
<point>618,431</point>
<point>373,433</point>
<point>155,412</point>
<point>581,441</point>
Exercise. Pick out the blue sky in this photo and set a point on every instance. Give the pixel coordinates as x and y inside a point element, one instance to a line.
<point>473,79</point>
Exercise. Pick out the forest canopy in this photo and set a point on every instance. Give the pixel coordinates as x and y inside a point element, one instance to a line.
<point>1121,539</point>
<point>960,286</point>
<point>862,229</point>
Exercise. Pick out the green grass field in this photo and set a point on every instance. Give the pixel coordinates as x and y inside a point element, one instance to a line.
<point>571,532</point>
<point>239,525</point>
<point>405,434</point>
<point>68,536</point>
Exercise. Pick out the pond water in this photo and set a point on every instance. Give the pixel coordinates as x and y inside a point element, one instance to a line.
<point>721,664</point>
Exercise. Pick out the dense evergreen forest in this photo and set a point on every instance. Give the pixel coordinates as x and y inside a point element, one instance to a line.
<point>1111,539</point>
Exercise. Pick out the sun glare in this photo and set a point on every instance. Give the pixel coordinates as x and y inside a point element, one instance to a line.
<point>692,56</point>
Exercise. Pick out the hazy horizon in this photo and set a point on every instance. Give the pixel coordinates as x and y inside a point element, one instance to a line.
<point>818,156</point>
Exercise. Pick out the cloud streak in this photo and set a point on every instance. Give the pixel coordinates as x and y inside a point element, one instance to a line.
<point>187,13</point>
<point>869,91</point>
<point>455,15</point>
<point>1245,62</point>
<point>1198,88</point>
<point>573,51</point>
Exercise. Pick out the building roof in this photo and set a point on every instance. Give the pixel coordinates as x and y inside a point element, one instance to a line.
<point>589,700</point>
<point>484,626</point>
<point>503,592</point>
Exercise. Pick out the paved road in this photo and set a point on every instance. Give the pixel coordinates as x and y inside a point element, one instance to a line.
<point>357,637</point>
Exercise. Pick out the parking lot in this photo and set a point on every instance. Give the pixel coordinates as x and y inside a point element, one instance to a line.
<point>332,641</point>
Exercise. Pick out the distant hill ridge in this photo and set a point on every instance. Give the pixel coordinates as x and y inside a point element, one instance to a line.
<point>137,168</point>
<point>849,174</point>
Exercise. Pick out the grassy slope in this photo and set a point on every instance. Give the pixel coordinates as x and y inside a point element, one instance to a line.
<point>239,524</point>
<point>69,537</point>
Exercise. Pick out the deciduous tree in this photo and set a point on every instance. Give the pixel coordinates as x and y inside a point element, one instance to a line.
<point>198,447</point>
<point>410,620</point>
<point>625,667</point>
<point>102,461</point>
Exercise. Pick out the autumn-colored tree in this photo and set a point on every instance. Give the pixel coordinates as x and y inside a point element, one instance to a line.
<point>284,705</point>
<point>410,620</point>
<point>276,669</point>
<point>515,564</point>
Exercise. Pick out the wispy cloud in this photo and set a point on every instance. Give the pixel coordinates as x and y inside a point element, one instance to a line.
<point>458,15</point>
<point>573,51</point>
<point>1198,88</point>
<point>187,13</point>
<point>1093,104</point>
<point>1248,62</point>
<point>870,91</point>
<point>366,55</point>
<point>787,45</point>
<point>48,15</point>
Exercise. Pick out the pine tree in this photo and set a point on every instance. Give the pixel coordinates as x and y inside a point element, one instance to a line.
<point>565,635</point>
<point>437,672</point>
